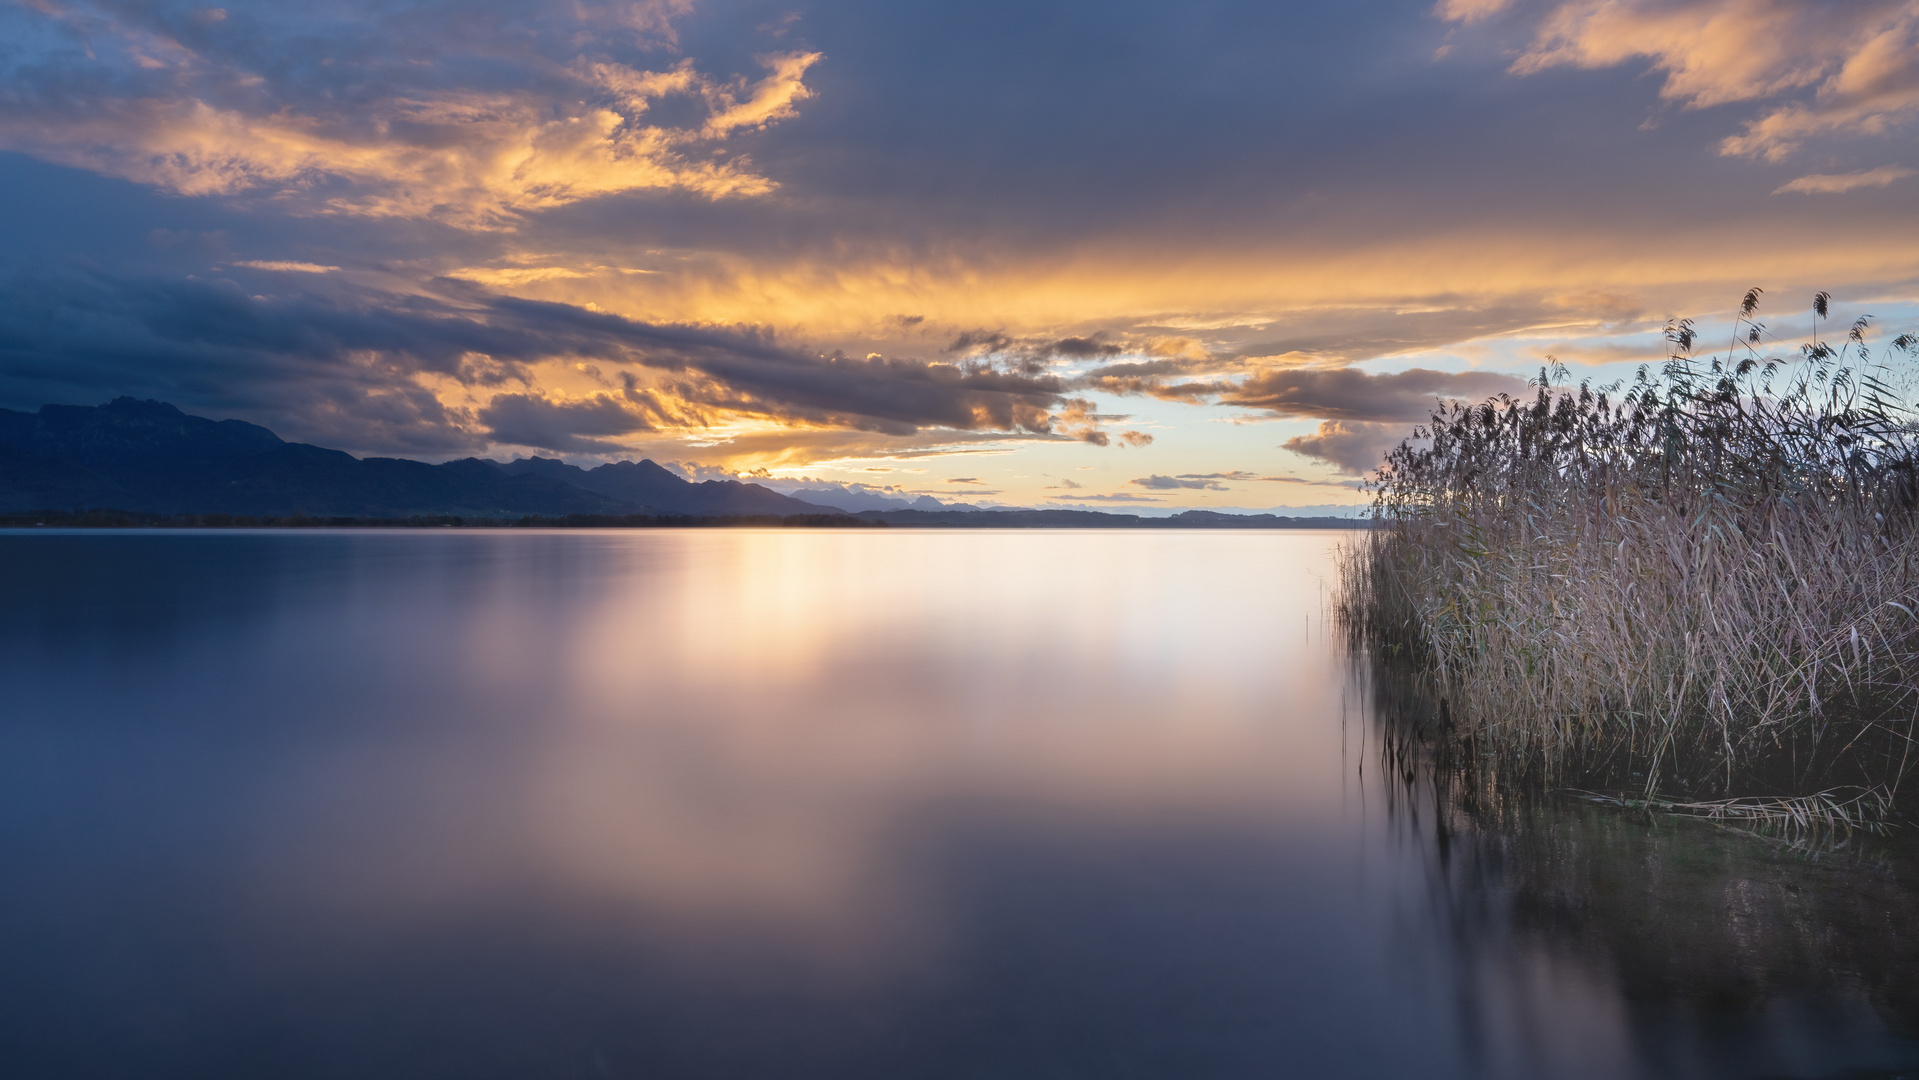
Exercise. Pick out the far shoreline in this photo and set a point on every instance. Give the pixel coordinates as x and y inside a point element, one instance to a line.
<point>106,519</point>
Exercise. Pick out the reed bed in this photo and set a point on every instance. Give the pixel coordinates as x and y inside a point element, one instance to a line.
<point>1704,580</point>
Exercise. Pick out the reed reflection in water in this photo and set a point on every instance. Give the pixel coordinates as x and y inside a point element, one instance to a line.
<point>786,803</point>
<point>1715,951</point>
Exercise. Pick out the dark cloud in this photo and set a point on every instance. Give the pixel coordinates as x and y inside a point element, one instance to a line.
<point>1119,496</point>
<point>1351,394</point>
<point>305,358</point>
<point>1190,393</point>
<point>341,369</point>
<point>1144,369</point>
<point>1175,483</point>
<point>1354,332</point>
<point>1354,446</point>
<point>1079,348</point>
<point>793,446</point>
<point>980,341</point>
<point>531,420</point>
<point>1331,340</point>
<point>1034,354</point>
<point>1345,393</point>
<point>914,138</point>
<point>993,130</point>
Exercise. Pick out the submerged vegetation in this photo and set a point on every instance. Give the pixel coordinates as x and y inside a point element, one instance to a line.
<point>1701,587</point>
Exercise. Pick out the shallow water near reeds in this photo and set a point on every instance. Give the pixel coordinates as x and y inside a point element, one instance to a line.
<point>834,804</point>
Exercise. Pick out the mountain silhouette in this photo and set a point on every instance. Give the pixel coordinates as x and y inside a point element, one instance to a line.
<point>643,483</point>
<point>150,457</point>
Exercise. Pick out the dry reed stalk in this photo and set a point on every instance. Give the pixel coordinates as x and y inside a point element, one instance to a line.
<point>1800,815</point>
<point>1711,581</point>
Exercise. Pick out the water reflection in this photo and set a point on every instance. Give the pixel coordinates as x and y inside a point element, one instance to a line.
<point>1694,948</point>
<point>806,804</point>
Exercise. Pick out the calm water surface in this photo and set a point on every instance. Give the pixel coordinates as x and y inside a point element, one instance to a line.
<point>831,804</point>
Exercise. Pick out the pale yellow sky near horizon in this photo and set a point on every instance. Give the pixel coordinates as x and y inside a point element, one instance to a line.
<point>1211,257</point>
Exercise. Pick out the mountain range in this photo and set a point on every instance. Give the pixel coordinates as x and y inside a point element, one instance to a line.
<point>149,457</point>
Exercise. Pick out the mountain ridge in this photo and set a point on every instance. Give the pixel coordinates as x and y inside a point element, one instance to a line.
<point>150,457</point>
<point>147,457</point>
<point>647,483</point>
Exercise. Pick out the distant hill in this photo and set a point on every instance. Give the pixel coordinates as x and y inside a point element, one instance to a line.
<point>147,457</point>
<point>854,498</point>
<point>642,483</point>
<point>150,457</point>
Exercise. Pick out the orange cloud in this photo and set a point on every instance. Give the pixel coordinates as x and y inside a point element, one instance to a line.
<point>479,157</point>
<point>764,102</point>
<point>1470,11</point>
<point>1453,285</point>
<point>1862,58</point>
<point>1876,89</point>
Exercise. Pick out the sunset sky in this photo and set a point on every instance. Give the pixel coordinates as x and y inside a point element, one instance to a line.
<point>1032,253</point>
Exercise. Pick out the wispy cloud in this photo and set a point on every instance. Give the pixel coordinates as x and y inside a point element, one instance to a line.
<point>1837,183</point>
<point>285,266</point>
<point>1306,482</point>
<point>1238,476</point>
<point>1218,481</point>
<point>1470,11</point>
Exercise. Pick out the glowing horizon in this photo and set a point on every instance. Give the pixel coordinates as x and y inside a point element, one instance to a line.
<point>1217,256</point>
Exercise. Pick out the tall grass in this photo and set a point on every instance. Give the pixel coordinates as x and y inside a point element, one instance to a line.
<point>1705,581</point>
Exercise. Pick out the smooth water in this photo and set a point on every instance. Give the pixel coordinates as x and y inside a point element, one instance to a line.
<point>836,803</point>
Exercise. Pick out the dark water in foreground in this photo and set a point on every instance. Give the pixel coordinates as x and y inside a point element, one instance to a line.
<point>831,804</point>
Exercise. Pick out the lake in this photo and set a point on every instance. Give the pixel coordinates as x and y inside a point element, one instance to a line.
<point>834,803</point>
